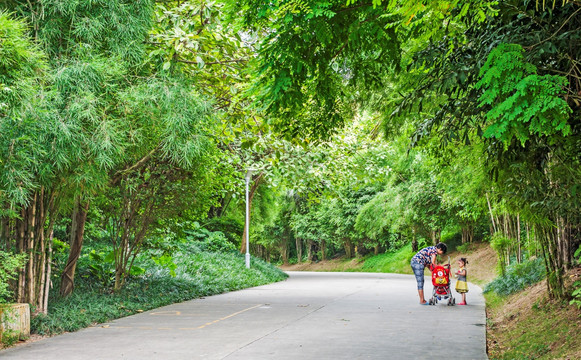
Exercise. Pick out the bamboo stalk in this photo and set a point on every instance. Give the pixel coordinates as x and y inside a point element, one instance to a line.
<point>20,249</point>
<point>491,216</point>
<point>519,253</point>
<point>41,266</point>
<point>48,269</point>
<point>30,249</point>
<point>546,260</point>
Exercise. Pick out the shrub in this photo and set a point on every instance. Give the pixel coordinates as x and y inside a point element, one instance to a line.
<point>232,228</point>
<point>213,241</point>
<point>217,242</point>
<point>517,277</point>
<point>9,265</point>
<point>500,243</point>
<point>466,248</point>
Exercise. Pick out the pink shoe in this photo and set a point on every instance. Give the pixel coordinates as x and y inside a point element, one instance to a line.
<point>462,303</point>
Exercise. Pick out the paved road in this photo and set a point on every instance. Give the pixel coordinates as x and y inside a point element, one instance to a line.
<point>309,316</point>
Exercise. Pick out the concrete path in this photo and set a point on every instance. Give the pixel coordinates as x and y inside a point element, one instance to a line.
<point>309,316</point>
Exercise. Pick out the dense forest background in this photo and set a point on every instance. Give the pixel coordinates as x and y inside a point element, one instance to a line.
<point>371,125</point>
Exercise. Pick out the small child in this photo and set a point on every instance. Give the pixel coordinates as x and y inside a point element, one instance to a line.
<point>461,284</point>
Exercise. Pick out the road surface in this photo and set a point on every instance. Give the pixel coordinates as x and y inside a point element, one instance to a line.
<point>311,315</point>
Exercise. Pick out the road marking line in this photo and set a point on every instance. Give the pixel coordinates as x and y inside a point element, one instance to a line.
<point>179,313</point>
<point>171,313</point>
<point>229,316</point>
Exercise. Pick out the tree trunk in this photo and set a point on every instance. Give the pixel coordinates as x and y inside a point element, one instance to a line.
<point>5,233</point>
<point>348,248</point>
<point>79,219</point>
<point>549,244</point>
<point>134,224</point>
<point>467,232</point>
<point>299,245</point>
<point>284,250</point>
<point>310,250</point>
<point>323,250</point>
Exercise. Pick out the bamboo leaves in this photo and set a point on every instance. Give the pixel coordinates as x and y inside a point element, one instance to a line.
<point>22,67</point>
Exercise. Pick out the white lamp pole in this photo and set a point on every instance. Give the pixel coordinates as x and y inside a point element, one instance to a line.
<point>248,178</point>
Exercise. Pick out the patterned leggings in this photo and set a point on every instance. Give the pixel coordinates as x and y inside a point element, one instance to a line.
<point>419,273</point>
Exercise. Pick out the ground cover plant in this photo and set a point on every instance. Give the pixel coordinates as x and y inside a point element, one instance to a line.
<point>517,277</point>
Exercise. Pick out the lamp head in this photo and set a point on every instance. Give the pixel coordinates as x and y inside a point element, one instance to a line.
<point>250,172</point>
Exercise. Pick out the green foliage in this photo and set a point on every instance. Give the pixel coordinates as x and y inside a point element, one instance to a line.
<point>22,70</point>
<point>102,266</point>
<point>306,59</point>
<point>198,38</point>
<point>171,116</point>
<point>518,277</point>
<point>411,201</point>
<point>166,261</point>
<point>231,227</point>
<point>115,28</point>
<point>397,261</point>
<point>576,293</point>
<point>521,101</point>
<point>60,251</point>
<point>211,241</point>
<point>464,248</point>
<point>319,56</point>
<point>500,244</point>
<point>9,266</point>
<point>224,271</point>
<point>21,63</point>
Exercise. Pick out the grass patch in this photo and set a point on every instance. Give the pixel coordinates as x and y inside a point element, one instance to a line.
<point>391,262</point>
<point>540,330</point>
<point>197,274</point>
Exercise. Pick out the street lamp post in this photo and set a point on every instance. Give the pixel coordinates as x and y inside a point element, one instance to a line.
<point>248,178</point>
